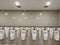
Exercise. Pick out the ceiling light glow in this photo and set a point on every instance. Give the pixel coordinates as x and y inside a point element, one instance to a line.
<point>48,3</point>
<point>23,13</point>
<point>17,3</point>
<point>40,13</point>
<point>6,13</point>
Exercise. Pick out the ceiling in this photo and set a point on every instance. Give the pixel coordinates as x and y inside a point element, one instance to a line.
<point>29,5</point>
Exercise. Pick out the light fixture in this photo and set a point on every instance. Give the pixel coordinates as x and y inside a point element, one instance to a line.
<point>23,13</point>
<point>40,13</point>
<point>6,13</point>
<point>48,3</point>
<point>17,3</point>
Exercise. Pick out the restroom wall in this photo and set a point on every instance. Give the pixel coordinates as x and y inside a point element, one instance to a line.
<point>59,17</point>
<point>15,18</point>
<point>31,18</point>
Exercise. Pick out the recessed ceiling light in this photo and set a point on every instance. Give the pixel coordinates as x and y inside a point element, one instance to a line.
<point>6,13</point>
<point>40,13</point>
<point>17,3</point>
<point>48,3</point>
<point>23,13</point>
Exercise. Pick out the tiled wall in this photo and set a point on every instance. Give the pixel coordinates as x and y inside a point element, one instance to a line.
<point>31,18</point>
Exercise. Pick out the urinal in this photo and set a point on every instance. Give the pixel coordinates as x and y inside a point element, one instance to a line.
<point>45,34</point>
<point>56,35</point>
<point>1,34</point>
<point>12,34</point>
<point>34,34</point>
<point>23,34</point>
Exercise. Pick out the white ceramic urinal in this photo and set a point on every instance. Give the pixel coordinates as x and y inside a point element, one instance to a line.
<point>34,34</point>
<point>23,34</point>
<point>45,34</point>
<point>56,35</point>
<point>12,34</point>
<point>1,34</point>
<point>6,32</point>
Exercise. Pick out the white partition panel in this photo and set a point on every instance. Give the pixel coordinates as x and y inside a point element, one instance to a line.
<point>6,32</point>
